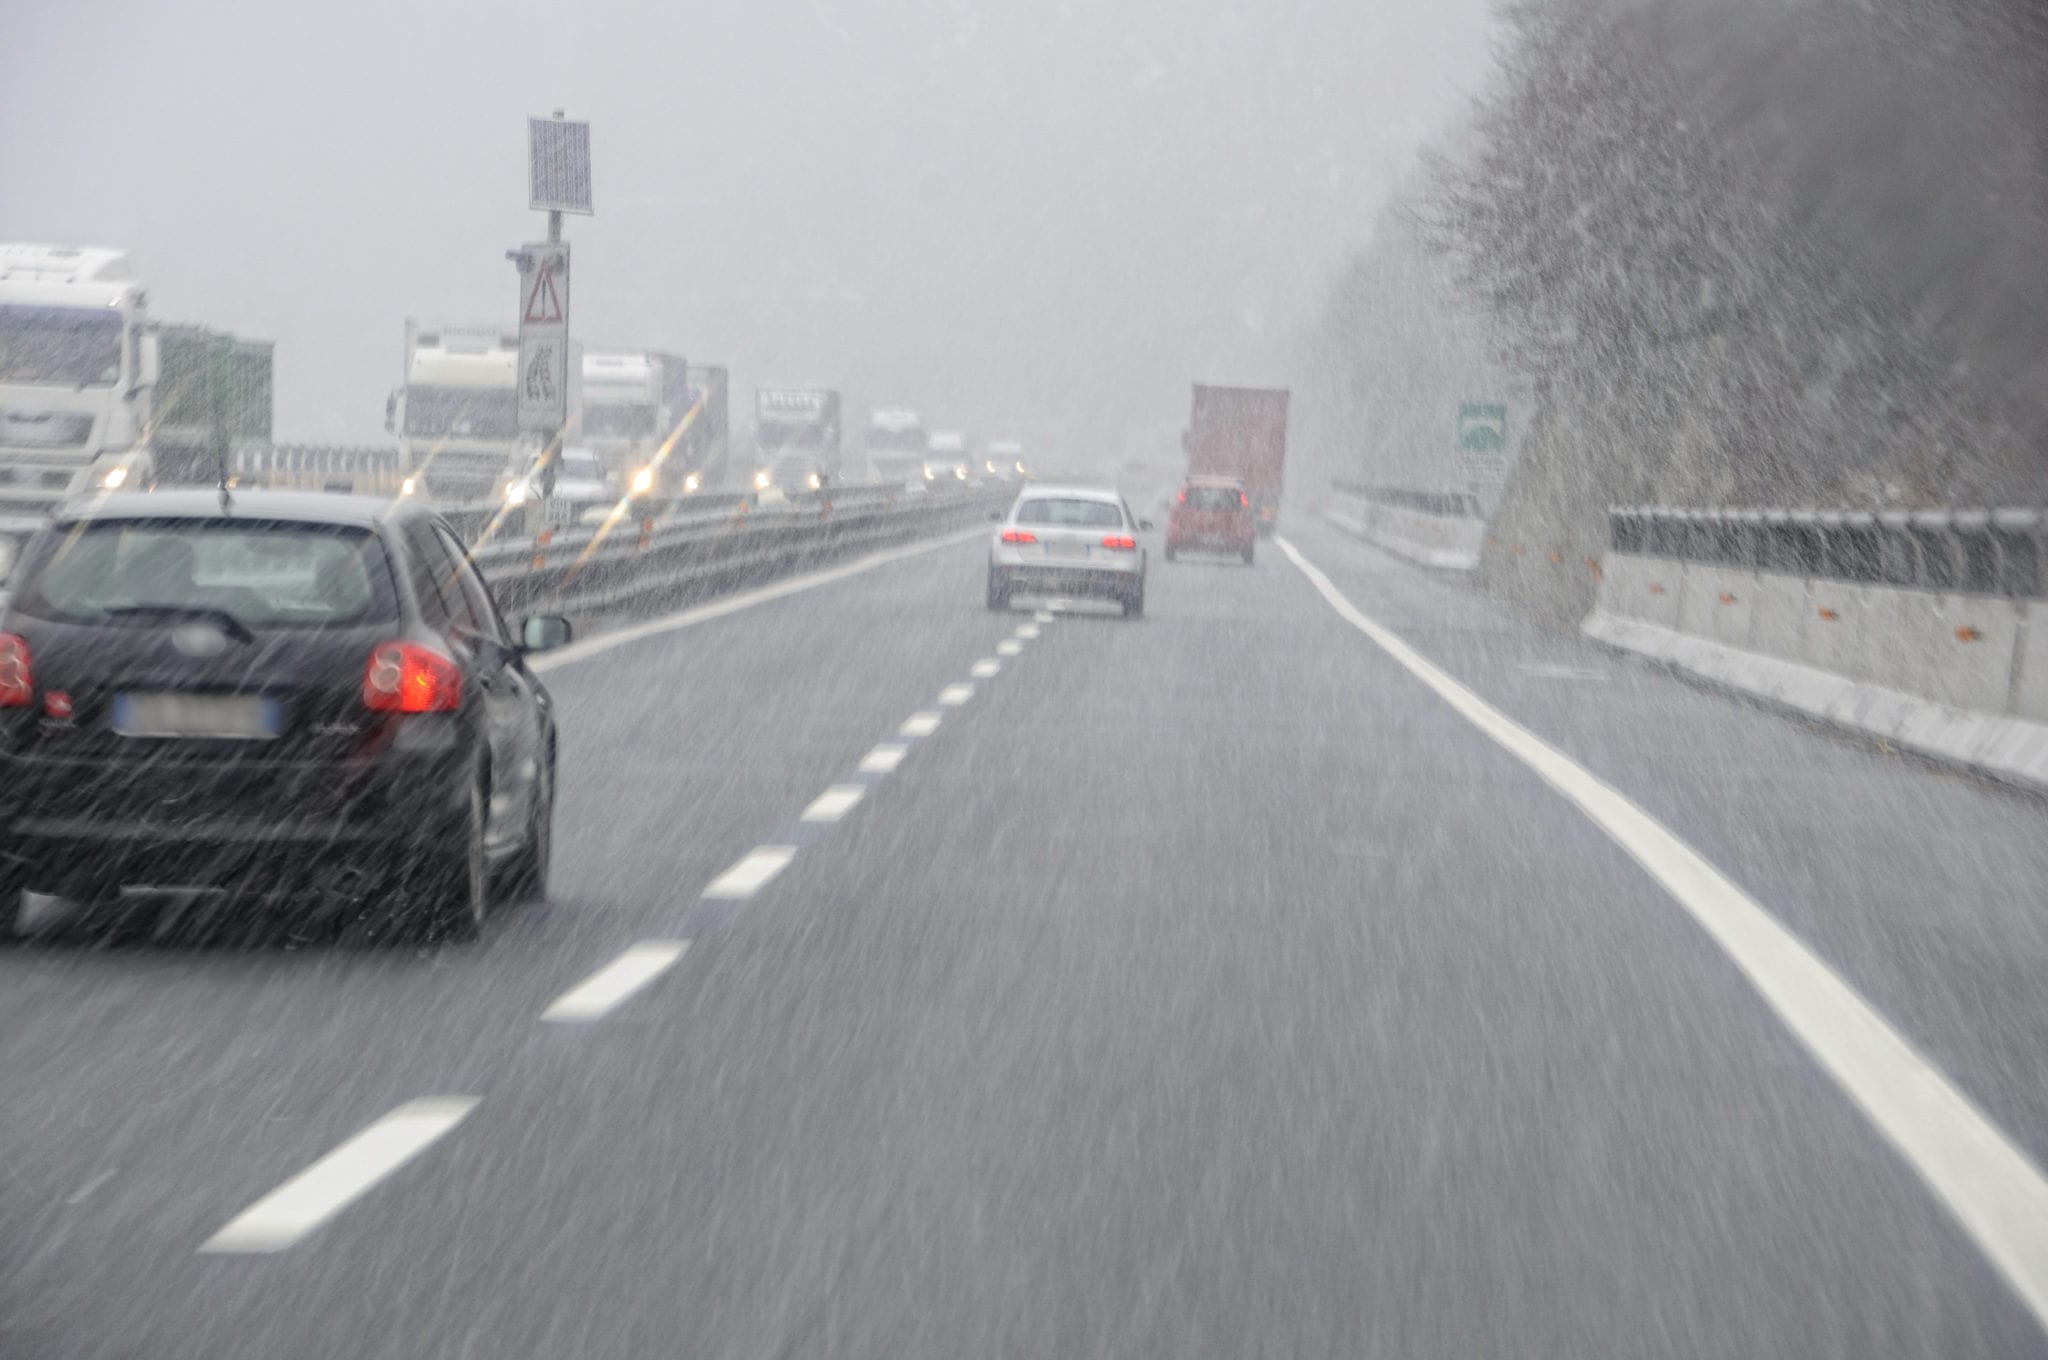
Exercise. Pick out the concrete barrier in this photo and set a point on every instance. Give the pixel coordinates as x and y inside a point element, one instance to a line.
<point>1433,528</point>
<point>1958,676</point>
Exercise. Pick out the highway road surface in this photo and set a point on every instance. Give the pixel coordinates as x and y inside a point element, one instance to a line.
<point>1324,965</point>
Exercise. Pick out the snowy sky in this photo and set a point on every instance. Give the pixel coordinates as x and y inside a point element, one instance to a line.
<point>1046,216</point>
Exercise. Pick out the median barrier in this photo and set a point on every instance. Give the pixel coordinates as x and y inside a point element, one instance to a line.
<point>1926,629</point>
<point>1439,529</point>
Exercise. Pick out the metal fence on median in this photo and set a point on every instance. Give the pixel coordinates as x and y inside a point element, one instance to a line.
<point>1990,552</point>
<point>1447,504</point>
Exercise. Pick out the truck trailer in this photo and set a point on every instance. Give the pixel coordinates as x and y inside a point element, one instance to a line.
<point>1241,432</point>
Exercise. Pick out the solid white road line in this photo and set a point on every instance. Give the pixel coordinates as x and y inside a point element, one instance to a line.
<point>287,1214</point>
<point>920,724</point>
<point>751,874</point>
<point>1996,1193</point>
<point>834,803</point>
<point>984,668</point>
<point>1027,631</point>
<point>884,758</point>
<point>601,993</point>
<point>1009,647</point>
<point>952,696</point>
<point>746,599</point>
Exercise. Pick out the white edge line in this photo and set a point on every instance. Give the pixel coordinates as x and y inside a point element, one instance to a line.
<point>751,874</point>
<point>746,599</point>
<point>609,987</point>
<point>308,1200</point>
<point>1994,1190</point>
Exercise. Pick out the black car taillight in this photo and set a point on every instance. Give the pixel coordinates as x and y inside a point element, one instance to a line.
<point>17,672</point>
<point>404,677</point>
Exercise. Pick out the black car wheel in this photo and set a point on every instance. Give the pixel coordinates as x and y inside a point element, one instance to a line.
<point>1248,554</point>
<point>526,877</point>
<point>1169,552</point>
<point>1134,603</point>
<point>998,593</point>
<point>451,891</point>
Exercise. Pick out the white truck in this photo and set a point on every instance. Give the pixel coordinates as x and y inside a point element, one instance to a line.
<point>634,402</point>
<point>896,445</point>
<point>78,369</point>
<point>796,438</point>
<point>457,417</point>
<point>945,456</point>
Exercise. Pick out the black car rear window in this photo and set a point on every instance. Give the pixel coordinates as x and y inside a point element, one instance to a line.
<point>263,574</point>
<point>1213,498</point>
<point>1078,513</point>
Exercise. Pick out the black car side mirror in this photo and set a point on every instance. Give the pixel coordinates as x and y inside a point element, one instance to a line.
<point>544,633</point>
<point>996,516</point>
<point>1145,525</point>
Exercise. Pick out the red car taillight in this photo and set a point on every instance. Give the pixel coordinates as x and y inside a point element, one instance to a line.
<point>1243,500</point>
<point>17,674</point>
<point>404,677</point>
<point>1120,544</point>
<point>1019,536</point>
<point>1183,495</point>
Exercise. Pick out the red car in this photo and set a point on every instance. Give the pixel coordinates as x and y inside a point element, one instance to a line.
<point>1212,514</point>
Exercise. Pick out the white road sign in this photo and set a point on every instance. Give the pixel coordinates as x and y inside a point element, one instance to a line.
<point>543,335</point>
<point>557,165</point>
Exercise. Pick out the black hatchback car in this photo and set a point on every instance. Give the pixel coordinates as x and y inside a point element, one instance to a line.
<point>310,699</point>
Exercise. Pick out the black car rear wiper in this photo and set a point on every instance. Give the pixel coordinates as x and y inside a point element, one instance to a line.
<point>229,624</point>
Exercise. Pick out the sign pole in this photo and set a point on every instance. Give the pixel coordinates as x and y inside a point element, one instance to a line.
<point>558,181</point>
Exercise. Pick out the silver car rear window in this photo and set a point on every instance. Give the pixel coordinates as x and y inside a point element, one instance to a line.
<point>1076,513</point>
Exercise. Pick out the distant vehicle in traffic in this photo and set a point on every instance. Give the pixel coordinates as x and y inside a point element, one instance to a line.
<point>1212,514</point>
<point>309,699</point>
<point>582,486</point>
<point>1241,432</point>
<point>896,445</point>
<point>1059,542</point>
<point>945,456</point>
<point>796,435</point>
<point>1005,459</point>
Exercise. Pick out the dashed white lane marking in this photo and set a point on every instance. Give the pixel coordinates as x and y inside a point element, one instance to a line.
<point>1996,1193</point>
<point>1042,616</point>
<point>921,724</point>
<point>834,803</point>
<point>602,992</point>
<point>952,696</point>
<point>984,668</point>
<point>1009,647</point>
<point>287,1214</point>
<point>746,599</point>
<point>752,873</point>
<point>1027,631</point>
<point>884,758</point>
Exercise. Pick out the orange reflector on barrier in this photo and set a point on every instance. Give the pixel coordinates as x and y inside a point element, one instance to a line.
<point>1830,615</point>
<point>1968,634</point>
<point>1656,587</point>
<point>1726,598</point>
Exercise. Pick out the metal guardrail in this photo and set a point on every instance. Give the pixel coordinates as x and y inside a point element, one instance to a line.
<point>1988,552</point>
<point>581,568</point>
<point>1448,504</point>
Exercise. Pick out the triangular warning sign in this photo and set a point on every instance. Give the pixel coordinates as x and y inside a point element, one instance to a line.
<point>544,302</point>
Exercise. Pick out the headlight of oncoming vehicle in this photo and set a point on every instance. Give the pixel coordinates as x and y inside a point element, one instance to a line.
<point>762,479</point>
<point>643,481</point>
<point>515,494</point>
<point>814,481</point>
<point>114,477</point>
<point>693,481</point>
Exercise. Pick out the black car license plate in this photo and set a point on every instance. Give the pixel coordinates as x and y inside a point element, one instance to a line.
<point>233,717</point>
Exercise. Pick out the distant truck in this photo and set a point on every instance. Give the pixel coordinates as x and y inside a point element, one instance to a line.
<point>1006,459</point>
<point>796,437</point>
<point>1241,432</point>
<point>82,373</point>
<point>634,403</point>
<point>457,416</point>
<point>705,450</point>
<point>896,445</point>
<point>945,456</point>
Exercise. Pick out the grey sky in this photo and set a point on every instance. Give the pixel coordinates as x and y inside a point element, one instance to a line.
<point>1044,214</point>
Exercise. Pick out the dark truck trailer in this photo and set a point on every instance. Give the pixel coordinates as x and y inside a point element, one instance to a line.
<point>1241,432</point>
<point>213,397</point>
<point>707,444</point>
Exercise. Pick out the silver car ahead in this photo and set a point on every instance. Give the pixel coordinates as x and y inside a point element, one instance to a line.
<point>1068,541</point>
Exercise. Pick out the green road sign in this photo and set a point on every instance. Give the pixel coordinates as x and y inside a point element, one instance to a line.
<point>1482,428</point>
